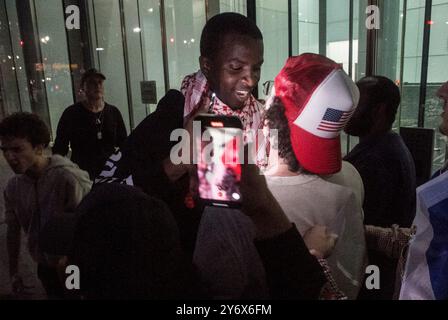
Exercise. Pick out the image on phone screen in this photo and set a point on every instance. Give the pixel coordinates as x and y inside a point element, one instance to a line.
<point>219,166</point>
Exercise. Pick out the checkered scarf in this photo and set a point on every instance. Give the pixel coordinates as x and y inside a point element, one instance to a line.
<point>197,94</point>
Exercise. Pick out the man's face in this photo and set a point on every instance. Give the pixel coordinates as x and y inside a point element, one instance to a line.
<point>362,120</point>
<point>235,70</point>
<point>20,154</point>
<point>94,88</point>
<point>444,125</point>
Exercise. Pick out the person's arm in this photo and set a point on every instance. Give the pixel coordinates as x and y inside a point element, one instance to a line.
<point>389,241</point>
<point>13,241</point>
<point>13,245</point>
<point>292,272</point>
<point>121,130</point>
<point>76,188</point>
<point>62,140</point>
<point>175,171</point>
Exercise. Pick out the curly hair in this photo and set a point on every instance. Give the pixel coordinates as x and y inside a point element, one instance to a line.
<point>27,126</point>
<point>276,119</point>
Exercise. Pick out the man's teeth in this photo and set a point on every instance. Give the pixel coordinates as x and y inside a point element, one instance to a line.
<point>242,93</point>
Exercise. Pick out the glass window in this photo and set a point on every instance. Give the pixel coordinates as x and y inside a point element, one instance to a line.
<point>9,92</point>
<point>17,55</point>
<point>437,75</point>
<point>152,45</point>
<point>134,39</point>
<point>184,23</point>
<point>239,6</point>
<point>308,26</point>
<point>55,60</point>
<point>412,63</point>
<point>109,48</point>
<point>272,19</point>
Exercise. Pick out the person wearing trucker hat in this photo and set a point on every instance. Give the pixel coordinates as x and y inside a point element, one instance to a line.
<point>311,102</point>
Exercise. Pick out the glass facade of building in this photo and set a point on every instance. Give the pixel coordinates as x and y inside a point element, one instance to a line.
<point>130,41</point>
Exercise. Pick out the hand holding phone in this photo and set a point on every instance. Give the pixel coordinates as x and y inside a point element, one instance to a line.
<point>220,155</point>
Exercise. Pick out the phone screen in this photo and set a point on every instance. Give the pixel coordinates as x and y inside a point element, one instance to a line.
<point>219,165</point>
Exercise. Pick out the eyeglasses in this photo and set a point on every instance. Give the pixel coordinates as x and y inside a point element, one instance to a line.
<point>267,87</point>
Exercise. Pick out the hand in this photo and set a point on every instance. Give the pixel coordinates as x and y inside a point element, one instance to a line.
<point>320,241</point>
<point>175,171</point>
<point>254,189</point>
<point>17,284</point>
<point>193,128</point>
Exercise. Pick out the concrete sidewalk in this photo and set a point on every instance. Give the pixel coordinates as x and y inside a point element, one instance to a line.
<point>27,267</point>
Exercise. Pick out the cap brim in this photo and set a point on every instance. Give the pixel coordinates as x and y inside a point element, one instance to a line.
<point>316,155</point>
<point>99,75</point>
<point>92,75</point>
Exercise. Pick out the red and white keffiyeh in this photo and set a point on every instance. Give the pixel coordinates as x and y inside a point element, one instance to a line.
<point>197,94</point>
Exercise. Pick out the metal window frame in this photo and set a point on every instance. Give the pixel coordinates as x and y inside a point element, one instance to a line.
<point>252,10</point>
<point>403,47</point>
<point>372,42</point>
<point>425,62</point>
<point>32,53</point>
<point>290,45</point>
<point>13,62</point>
<point>124,40</point>
<point>166,73</point>
<point>323,27</point>
<point>69,51</point>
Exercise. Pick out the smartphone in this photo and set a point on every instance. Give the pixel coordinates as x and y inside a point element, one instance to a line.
<point>220,155</point>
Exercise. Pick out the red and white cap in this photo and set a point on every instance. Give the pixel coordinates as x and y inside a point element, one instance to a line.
<point>319,99</point>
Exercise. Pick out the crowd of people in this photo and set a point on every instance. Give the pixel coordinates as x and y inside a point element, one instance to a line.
<point>310,222</point>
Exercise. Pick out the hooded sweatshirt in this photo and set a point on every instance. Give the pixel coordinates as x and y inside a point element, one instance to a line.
<point>32,202</point>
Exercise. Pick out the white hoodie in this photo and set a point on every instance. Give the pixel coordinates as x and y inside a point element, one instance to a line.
<point>60,189</point>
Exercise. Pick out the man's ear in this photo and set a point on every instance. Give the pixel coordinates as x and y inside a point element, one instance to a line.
<point>381,117</point>
<point>206,66</point>
<point>382,110</point>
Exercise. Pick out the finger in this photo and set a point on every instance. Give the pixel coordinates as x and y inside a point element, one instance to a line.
<point>334,236</point>
<point>316,254</point>
<point>194,181</point>
<point>333,239</point>
<point>204,108</point>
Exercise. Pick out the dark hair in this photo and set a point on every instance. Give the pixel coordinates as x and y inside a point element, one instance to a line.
<point>276,119</point>
<point>223,24</point>
<point>381,90</point>
<point>127,246</point>
<point>27,126</point>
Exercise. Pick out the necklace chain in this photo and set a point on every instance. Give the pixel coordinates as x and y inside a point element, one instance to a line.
<point>99,118</point>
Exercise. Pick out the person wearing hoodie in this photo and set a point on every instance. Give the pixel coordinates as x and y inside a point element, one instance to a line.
<point>43,187</point>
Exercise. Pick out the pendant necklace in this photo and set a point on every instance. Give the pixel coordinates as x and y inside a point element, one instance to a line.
<point>99,124</point>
